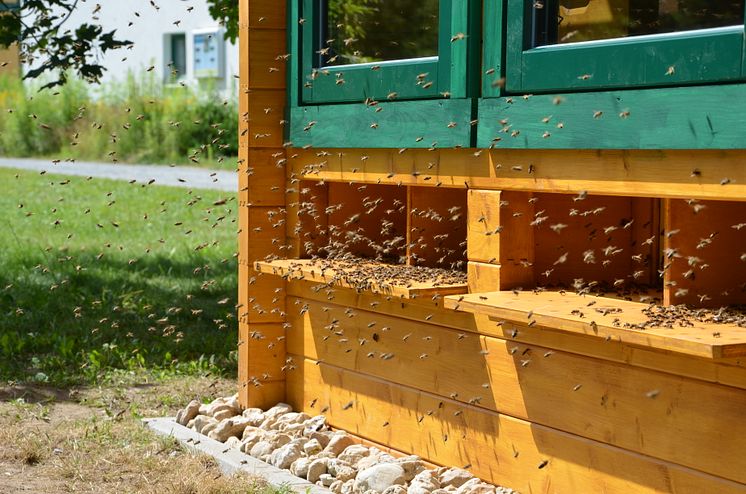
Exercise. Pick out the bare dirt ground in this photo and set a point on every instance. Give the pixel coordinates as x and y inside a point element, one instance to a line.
<point>91,440</point>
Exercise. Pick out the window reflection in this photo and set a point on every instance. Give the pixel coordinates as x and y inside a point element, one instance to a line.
<point>361,31</point>
<point>570,21</point>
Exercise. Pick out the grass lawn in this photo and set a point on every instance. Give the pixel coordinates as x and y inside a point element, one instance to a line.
<point>100,278</point>
<point>117,301</point>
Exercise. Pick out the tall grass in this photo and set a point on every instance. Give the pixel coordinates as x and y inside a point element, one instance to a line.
<point>137,120</point>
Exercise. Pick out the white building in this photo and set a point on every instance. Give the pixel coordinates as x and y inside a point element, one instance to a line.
<point>179,39</point>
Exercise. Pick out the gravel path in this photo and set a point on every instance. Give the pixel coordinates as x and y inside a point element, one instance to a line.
<point>177,176</point>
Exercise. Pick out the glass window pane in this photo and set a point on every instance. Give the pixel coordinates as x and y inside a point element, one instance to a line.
<point>570,21</point>
<point>178,55</point>
<point>361,31</point>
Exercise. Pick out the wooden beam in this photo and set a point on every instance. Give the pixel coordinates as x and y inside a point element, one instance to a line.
<point>500,232</point>
<point>728,371</point>
<point>559,311</point>
<point>335,273</point>
<point>498,448</point>
<point>585,396</point>
<point>685,174</point>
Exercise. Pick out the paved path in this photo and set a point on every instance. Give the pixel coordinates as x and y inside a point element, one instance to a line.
<point>177,176</point>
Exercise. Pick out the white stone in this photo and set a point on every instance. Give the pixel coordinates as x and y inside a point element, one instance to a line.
<point>299,468</point>
<point>277,440</point>
<point>285,456</point>
<point>260,449</point>
<point>255,416</point>
<point>209,427</point>
<point>380,477</point>
<point>200,421</point>
<point>326,479</point>
<point>338,443</point>
<point>455,477</point>
<point>412,465</point>
<point>336,487</point>
<point>312,447</point>
<point>467,486</point>
<point>314,424</point>
<point>345,473</point>
<point>316,469</point>
<point>277,410</point>
<point>354,453</point>
<point>396,489</point>
<point>233,442</point>
<point>188,413</point>
<point>348,487</point>
<point>424,482</point>
<point>233,426</point>
<point>322,437</point>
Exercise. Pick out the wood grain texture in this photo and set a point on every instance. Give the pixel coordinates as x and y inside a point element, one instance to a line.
<point>266,66</point>
<point>496,447</point>
<point>588,397</point>
<point>634,173</point>
<point>325,272</point>
<point>700,117</point>
<point>415,124</point>
<point>728,371</point>
<point>706,256</point>
<point>500,232</point>
<point>554,311</point>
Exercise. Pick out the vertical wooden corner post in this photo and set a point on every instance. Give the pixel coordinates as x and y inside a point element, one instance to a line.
<point>261,299</point>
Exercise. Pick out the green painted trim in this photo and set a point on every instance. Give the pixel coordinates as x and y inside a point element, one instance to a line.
<point>410,124</point>
<point>493,42</point>
<point>448,72</point>
<point>692,117</point>
<point>360,82</point>
<point>293,42</point>
<point>708,55</point>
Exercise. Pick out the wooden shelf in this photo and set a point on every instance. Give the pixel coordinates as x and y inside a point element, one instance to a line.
<point>339,273</point>
<point>603,318</point>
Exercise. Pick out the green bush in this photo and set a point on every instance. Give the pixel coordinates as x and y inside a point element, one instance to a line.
<point>137,120</point>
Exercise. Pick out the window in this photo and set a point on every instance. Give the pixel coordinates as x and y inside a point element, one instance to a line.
<point>383,50</point>
<point>175,47</point>
<point>594,44</point>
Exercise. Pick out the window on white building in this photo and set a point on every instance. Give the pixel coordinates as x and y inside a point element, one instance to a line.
<point>175,56</point>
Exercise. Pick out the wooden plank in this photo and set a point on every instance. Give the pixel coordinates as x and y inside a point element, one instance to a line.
<point>415,124</point>
<point>266,63</point>
<point>498,448</point>
<point>366,219</point>
<point>482,277</point>
<point>265,14</point>
<point>685,174</point>
<point>333,273</point>
<point>265,118</point>
<point>500,232</point>
<point>588,239</point>
<point>705,253</point>
<point>437,228</point>
<point>588,397</point>
<point>263,178</point>
<point>661,118</point>
<point>729,371</point>
<point>571,312</point>
<point>264,352</point>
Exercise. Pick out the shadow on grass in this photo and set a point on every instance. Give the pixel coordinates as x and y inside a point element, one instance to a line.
<point>71,322</point>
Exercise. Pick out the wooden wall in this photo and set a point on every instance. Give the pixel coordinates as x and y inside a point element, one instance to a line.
<point>526,405</point>
<point>261,299</point>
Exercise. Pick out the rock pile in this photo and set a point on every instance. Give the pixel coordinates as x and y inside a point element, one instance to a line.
<point>307,447</point>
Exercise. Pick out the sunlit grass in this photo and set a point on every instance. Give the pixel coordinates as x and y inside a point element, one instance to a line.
<point>99,278</point>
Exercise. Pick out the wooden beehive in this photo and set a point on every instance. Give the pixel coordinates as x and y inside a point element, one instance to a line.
<point>520,372</point>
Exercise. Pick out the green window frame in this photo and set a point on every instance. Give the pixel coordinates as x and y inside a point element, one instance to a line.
<point>671,59</point>
<point>447,71</point>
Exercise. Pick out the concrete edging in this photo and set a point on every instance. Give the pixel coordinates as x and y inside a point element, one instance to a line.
<point>231,460</point>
